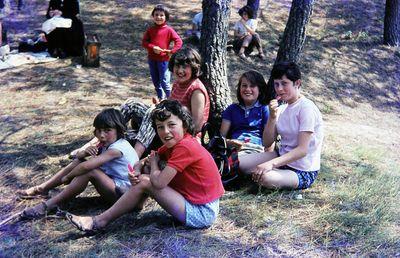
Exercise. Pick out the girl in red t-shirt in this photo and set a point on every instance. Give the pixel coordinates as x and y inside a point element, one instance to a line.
<point>188,187</point>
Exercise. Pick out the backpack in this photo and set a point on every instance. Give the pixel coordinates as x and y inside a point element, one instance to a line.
<point>225,158</point>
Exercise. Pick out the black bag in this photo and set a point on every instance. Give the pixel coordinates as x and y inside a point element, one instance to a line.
<point>225,158</point>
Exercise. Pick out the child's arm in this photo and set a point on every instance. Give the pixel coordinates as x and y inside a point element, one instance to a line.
<point>146,42</point>
<point>160,179</point>
<point>177,41</point>
<point>249,29</point>
<point>198,103</point>
<point>92,163</point>
<point>270,133</point>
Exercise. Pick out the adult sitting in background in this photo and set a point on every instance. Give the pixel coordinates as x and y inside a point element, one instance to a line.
<point>246,37</point>
<point>63,42</point>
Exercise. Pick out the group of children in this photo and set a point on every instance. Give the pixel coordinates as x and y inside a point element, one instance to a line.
<point>181,175</point>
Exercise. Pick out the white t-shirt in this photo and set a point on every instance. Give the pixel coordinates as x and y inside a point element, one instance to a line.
<point>241,30</point>
<point>301,116</point>
<point>197,19</point>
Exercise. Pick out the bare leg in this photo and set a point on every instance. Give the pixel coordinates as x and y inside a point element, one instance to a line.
<point>103,184</point>
<point>169,199</point>
<point>279,179</point>
<point>53,182</point>
<point>248,162</point>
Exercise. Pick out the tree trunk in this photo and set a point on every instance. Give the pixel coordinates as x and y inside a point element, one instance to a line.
<point>295,32</point>
<point>214,36</point>
<point>391,33</point>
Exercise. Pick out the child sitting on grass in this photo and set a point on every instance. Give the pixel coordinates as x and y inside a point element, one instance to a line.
<point>188,188</point>
<point>300,125</point>
<point>107,169</point>
<point>243,123</point>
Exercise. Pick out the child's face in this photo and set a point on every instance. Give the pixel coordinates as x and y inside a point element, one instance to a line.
<point>245,16</point>
<point>182,73</point>
<point>248,92</point>
<point>159,17</point>
<point>170,131</point>
<point>106,136</point>
<point>286,89</point>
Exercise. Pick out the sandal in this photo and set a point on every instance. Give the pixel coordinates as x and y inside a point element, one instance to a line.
<point>243,57</point>
<point>32,193</point>
<point>35,212</point>
<point>75,220</point>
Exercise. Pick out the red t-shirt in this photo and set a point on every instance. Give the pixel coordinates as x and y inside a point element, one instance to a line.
<point>162,36</point>
<point>197,177</point>
<point>183,94</point>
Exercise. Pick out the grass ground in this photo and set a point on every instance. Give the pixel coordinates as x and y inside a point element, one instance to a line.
<point>46,110</point>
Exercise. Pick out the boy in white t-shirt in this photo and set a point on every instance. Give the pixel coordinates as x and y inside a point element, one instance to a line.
<point>299,123</point>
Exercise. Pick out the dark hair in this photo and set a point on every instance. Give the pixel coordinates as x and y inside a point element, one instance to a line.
<point>290,69</point>
<point>110,118</point>
<point>246,9</point>
<point>161,8</point>
<point>184,56</point>
<point>168,107</point>
<point>255,78</point>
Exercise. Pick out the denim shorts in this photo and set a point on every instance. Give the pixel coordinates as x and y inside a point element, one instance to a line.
<point>306,178</point>
<point>201,216</point>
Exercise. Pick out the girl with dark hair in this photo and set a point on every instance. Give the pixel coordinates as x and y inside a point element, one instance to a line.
<point>107,168</point>
<point>187,90</point>
<point>157,40</point>
<point>243,123</point>
<point>188,187</point>
<point>246,37</point>
<point>299,123</point>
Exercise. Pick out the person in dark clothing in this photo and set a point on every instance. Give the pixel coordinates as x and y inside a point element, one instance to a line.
<point>64,42</point>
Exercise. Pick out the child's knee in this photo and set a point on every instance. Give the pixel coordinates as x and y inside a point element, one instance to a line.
<point>271,180</point>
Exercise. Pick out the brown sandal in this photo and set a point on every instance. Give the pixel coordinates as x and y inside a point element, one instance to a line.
<point>36,212</point>
<point>34,193</point>
<point>75,220</point>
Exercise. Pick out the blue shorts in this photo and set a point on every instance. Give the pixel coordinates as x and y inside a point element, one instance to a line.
<point>306,178</point>
<point>201,216</point>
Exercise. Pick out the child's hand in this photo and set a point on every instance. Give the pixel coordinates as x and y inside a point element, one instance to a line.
<point>235,143</point>
<point>260,170</point>
<point>273,108</point>
<point>153,159</point>
<point>91,150</point>
<point>133,178</point>
<point>157,50</point>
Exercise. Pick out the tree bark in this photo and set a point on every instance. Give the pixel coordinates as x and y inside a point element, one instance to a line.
<point>294,35</point>
<point>391,33</point>
<point>214,36</point>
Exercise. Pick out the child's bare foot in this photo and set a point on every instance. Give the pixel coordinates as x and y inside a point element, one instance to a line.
<point>85,224</point>
<point>32,192</point>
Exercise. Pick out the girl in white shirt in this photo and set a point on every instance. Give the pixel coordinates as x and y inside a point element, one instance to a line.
<point>299,123</point>
<point>246,37</point>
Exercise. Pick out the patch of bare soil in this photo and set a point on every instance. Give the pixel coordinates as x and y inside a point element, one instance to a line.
<point>46,110</point>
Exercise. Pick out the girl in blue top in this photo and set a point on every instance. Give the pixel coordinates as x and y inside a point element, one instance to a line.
<point>243,123</point>
<point>107,169</point>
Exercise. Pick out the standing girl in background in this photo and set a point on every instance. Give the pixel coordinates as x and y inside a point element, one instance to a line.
<point>300,125</point>
<point>157,40</point>
<point>188,187</point>
<point>107,169</point>
<point>243,123</point>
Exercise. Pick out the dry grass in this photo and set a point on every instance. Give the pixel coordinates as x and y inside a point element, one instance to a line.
<point>352,210</point>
